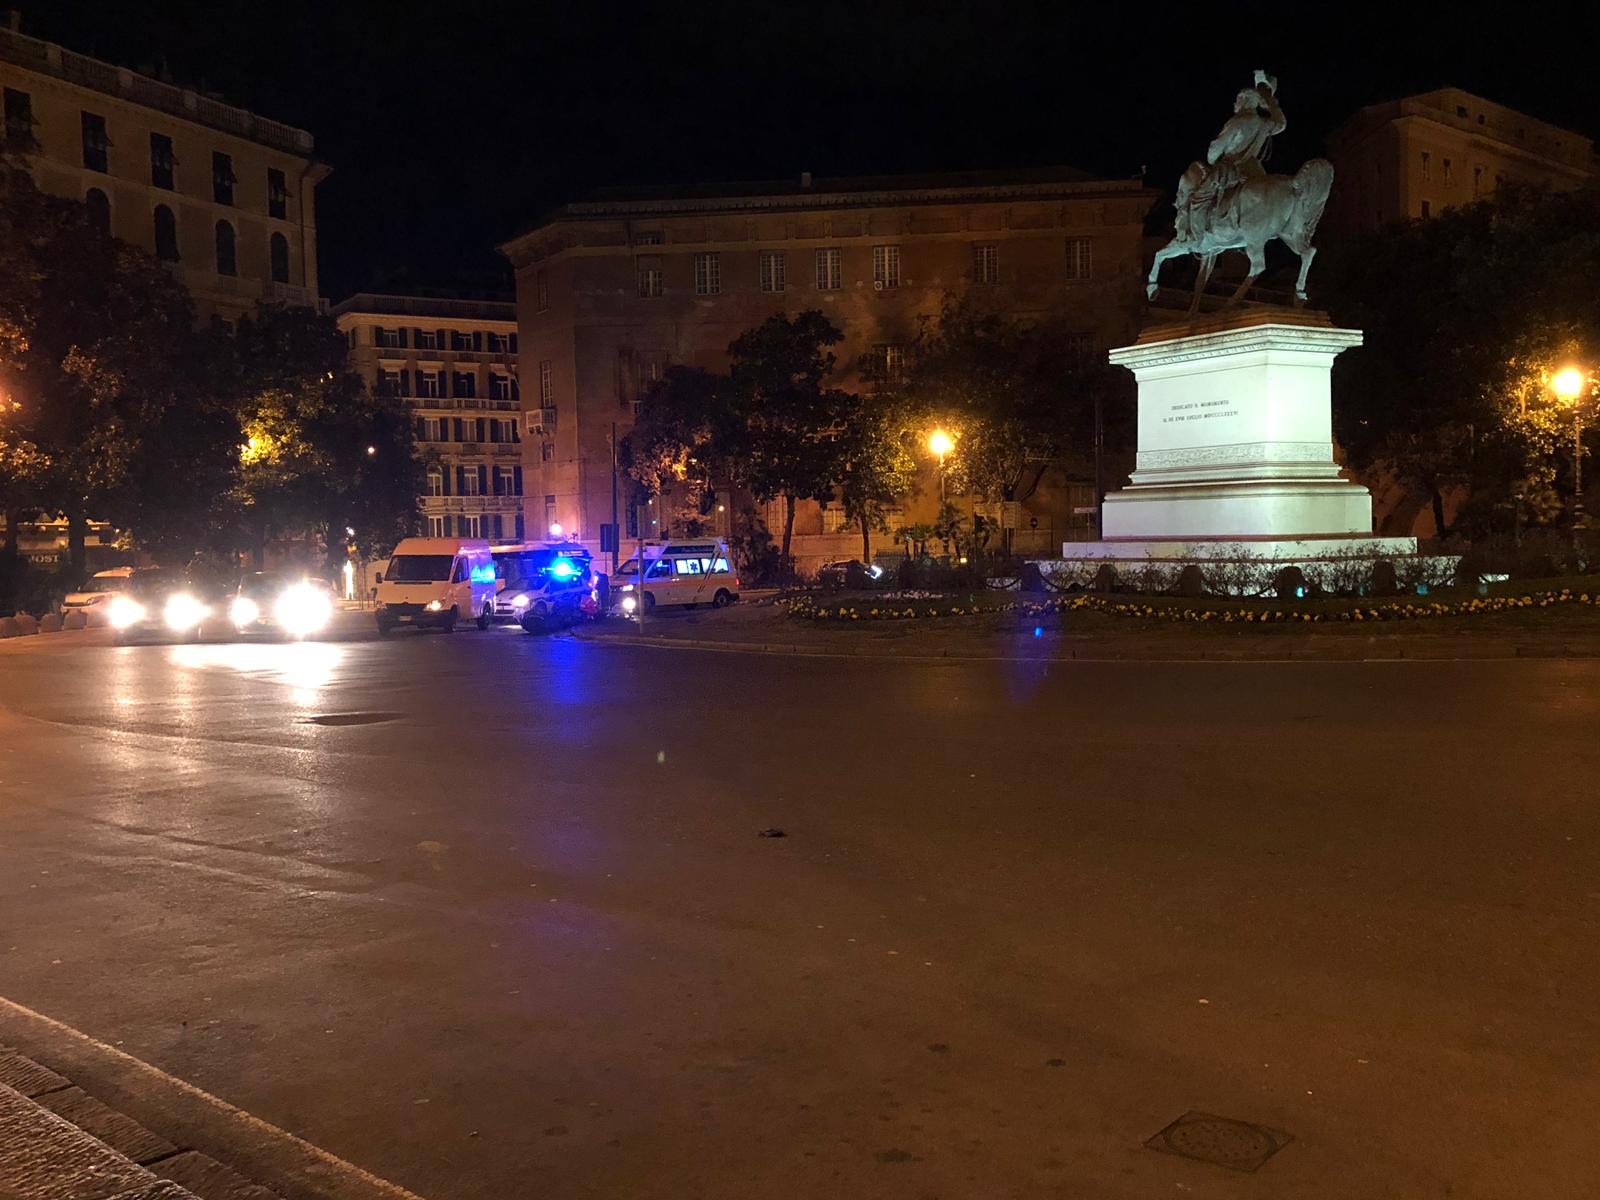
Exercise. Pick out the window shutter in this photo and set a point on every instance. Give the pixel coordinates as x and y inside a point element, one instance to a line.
<point>459,438</point>
<point>444,384</point>
<point>483,480</point>
<point>461,480</point>
<point>444,481</point>
<point>516,392</point>
<point>444,338</point>
<point>419,429</point>
<point>513,343</point>
<point>477,339</point>
<point>516,485</point>
<point>494,431</point>
<point>400,332</point>
<point>405,383</point>
<point>483,434</point>
<point>499,527</point>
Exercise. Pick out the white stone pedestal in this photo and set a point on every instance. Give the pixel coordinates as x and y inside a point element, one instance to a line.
<point>1236,433</point>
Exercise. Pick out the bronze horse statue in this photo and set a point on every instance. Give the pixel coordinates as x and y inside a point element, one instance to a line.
<point>1263,207</point>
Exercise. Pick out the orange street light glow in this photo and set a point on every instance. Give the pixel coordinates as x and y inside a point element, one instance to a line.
<point>1568,383</point>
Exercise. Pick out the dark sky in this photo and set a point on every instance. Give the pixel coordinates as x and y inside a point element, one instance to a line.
<point>449,126</point>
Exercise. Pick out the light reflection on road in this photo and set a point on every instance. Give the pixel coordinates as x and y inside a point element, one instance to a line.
<point>304,667</point>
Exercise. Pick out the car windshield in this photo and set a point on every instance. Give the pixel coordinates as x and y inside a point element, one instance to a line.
<point>418,568</point>
<point>145,583</point>
<point>262,583</point>
<point>106,583</point>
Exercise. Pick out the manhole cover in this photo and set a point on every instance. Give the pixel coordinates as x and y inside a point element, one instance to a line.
<point>355,718</point>
<point>1238,1145</point>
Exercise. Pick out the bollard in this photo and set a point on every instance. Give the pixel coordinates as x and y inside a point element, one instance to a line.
<point>50,623</point>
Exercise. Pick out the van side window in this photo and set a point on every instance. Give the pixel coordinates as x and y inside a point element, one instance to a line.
<point>660,569</point>
<point>459,571</point>
<point>720,567</point>
<point>686,566</point>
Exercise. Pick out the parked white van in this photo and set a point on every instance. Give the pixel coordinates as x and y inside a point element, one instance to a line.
<point>437,582</point>
<point>679,572</point>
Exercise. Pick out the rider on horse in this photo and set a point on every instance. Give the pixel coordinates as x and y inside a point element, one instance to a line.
<point>1234,156</point>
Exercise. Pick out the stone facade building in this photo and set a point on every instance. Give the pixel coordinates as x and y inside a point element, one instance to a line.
<point>1415,157</point>
<point>455,360</point>
<point>226,197</point>
<point>612,290</point>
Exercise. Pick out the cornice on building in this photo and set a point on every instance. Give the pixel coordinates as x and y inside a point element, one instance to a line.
<point>443,307</point>
<point>47,58</point>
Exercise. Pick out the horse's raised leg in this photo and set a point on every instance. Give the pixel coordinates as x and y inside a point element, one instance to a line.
<point>1207,261</point>
<point>1306,253</point>
<point>1170,250</point>
<point>1258,264</point>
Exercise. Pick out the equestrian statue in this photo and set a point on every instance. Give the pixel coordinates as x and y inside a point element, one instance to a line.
<point>1229,202</point>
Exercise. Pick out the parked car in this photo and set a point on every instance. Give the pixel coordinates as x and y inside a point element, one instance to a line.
<point>676,573</point>
<point>99,591</point>
<point>161,604</point>
<point>849,572</point>
<point>271,604</point>
<point>435,582</point>
<point>544,586</point>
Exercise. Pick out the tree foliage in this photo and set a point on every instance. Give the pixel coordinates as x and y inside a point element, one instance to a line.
<point>1465,317</point>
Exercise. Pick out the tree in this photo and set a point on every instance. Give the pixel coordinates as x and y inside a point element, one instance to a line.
<point>109,374</point>
<point>788,438</point>
<point>1019,394</point>
<point>683,440</point>
<point>1464,316</point>
<point>878,461</point>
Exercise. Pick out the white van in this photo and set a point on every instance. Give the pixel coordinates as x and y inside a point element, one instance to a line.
<point>437,582</point>
<point>97,594</point>
<point>679,572</point>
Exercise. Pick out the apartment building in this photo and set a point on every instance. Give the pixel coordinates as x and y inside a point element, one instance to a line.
<point>1418,156</point>
<point>225,197</point>
<point>455,360</point>
<point>612,290</point>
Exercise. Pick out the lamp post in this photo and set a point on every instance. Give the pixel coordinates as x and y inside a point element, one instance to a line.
<point>941,444</point>
<point>1570,384</point>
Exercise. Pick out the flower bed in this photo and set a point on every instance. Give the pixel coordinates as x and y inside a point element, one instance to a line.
<point>882,609</point>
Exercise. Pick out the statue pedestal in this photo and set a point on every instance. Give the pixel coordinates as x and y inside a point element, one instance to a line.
<point>1235,458</point>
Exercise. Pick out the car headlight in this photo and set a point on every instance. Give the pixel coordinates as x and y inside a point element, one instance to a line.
<point>245,611</point>
<point>435,605</point>
<point>303,610</point>
<point>125,611</point>
<point>627,587</point>
<point>629,604</point>
<point>183,611</point>
<point>519,601</point>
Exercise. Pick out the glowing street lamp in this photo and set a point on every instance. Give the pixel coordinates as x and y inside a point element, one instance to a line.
<point>941,444</point>
<point>1570,384</point>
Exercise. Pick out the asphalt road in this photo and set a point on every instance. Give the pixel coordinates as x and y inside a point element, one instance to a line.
<point>505,925</point>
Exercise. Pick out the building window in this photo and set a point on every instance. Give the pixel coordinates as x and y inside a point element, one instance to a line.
<point>891,364</point>
<point>99,209</point>
<point>1427,165</point>
<point>429,429</point>
<point>708,274</point>
<point>95,142</point>
<point>163,163</point>
<point>467,478</point>
<point>829,274</point>
<point>885,267</point>
<point>1461,110</point>
<point>436,527</point>
<point>1427,210</point>
<point>499,343</point>
<point>389,385</point>
<point>774,276</point>
<point>427,339</point>
<point>986,263</point>
<point>649,268</point>
<point>647,237</point>
<point>435,481</point>
<point>1080,258</point>
<point>464,384</point>
<point>166,234</point>
<point>390,338</point>
<point>279,246</point>
<point>541,291</point>
<point>549,511</point>
<point>430,384</point>
<point>19,118</point>
<point>469,525</point>
<point>503,430</point>
<point>227,258</point>
<point>461,341</point>
<point>833,519</point>
<point>222,178</point>
<point>1477,180</point>
<point>277,193</point>
<point>1444,165</point>
<point>547,451</point>
<point>499,387</point>
<point>505,481</point>
<point>547,383</point>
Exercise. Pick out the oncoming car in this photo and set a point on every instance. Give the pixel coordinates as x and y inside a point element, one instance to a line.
<point>676,573</point>
<point>162,604</point>
<point>268,603</point>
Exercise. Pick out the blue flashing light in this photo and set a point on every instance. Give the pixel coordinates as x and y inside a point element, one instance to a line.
<point>1038,631</point>
<point>483,574</point>
<point>563,568</point>
<point>1422,589</point>
<point>1299,593</point>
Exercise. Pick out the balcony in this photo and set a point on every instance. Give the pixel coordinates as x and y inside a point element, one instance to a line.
<point>288,293</point>
<point>545,421</point>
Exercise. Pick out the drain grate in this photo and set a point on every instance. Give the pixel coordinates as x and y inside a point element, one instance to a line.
<point>1237,1145</point>
<point>353,718</point>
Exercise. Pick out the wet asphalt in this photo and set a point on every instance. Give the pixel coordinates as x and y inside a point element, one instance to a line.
<point>493,915</point>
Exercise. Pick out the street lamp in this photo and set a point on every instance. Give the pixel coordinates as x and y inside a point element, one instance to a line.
<point>1570,384</point>
<point>941,444</point>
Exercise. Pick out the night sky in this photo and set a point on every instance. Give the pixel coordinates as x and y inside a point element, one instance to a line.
<point>450,126</point>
